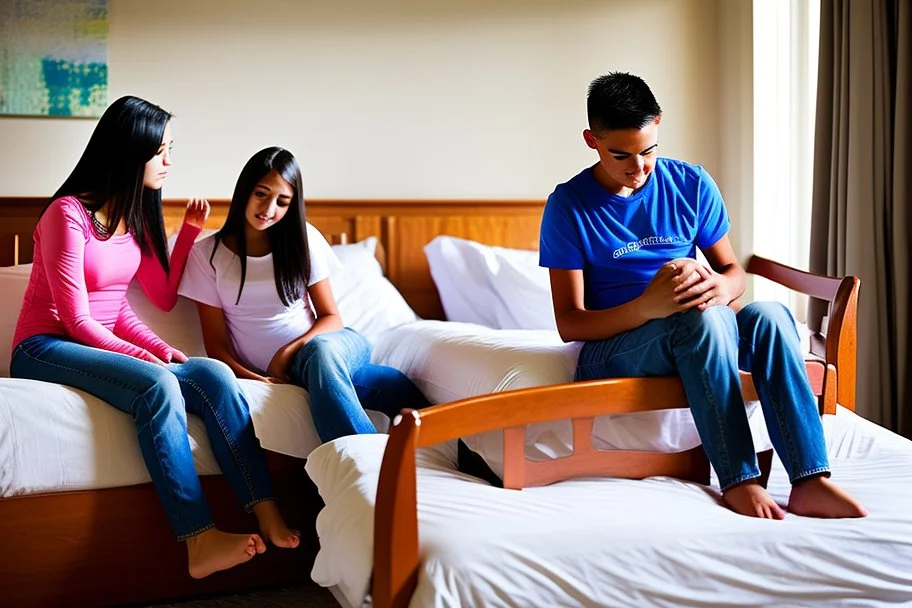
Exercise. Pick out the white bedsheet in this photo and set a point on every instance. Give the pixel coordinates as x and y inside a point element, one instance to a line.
<point>613,542</point>
<point>55,438</point>
<point>450,361</point>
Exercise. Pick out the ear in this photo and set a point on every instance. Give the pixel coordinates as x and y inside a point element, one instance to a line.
<point>590,139</point>
<point>657,120</point>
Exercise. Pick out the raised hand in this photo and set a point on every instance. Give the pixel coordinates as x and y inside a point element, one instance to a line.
<point>197,212</point>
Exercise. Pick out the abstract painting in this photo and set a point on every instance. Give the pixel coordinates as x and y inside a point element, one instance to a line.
<point>53,57</point>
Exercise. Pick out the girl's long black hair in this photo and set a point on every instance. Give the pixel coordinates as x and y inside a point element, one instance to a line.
<point>111,171</point>
<point>287,238</point>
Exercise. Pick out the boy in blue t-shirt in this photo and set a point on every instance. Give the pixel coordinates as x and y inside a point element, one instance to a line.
<point>619,239</point>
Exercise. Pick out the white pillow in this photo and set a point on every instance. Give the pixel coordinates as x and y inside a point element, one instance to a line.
<point>367,301</point>
<point>13,282</point>
<point>523,290</point>
<point>497,287</point>
<point>346,471</point>
<point>180,327</point>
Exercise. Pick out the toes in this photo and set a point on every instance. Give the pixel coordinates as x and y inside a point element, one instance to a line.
<point>258,544</point>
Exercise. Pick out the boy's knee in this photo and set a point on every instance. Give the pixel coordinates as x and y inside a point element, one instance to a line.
<point>765,315</point>
<point>714,323</point>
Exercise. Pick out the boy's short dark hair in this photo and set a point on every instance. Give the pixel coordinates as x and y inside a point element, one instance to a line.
<point>619,100</point>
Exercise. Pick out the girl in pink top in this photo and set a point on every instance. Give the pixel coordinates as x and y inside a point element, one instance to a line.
<point>104,227</point>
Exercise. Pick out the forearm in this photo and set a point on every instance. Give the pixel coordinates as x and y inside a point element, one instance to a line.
<point>590,325</point>
<point>161,287</point>
<point>323,325</point>
<point>735,279</point>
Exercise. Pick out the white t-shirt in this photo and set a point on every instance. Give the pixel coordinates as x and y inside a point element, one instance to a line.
<point>259,323</point>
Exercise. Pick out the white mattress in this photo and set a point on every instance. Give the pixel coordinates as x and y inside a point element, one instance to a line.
<point>612,542</point>
<point>55,438</point>
<point>450,361</point>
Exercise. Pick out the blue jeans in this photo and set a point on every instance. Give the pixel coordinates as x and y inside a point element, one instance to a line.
<point>159,399</point>
<point>706,349</point>
<point>336,371</point>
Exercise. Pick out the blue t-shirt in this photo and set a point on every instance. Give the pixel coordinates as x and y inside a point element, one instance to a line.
<point>620,243</point>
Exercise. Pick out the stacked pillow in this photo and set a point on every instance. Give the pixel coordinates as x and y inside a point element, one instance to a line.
<point>496,287</point>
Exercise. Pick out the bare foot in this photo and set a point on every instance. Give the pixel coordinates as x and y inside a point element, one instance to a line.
<point>752,499</point>
<point>273,526</point>
<point>214,550</point>
<point>820,497</point>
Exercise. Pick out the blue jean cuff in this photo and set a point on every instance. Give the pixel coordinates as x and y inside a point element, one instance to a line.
<point>209,526</point>
<point>740,479</point>
<point>825,471</point>
<point>250,505</point>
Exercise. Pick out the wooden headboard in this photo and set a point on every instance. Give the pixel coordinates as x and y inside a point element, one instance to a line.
<point>402,227</point>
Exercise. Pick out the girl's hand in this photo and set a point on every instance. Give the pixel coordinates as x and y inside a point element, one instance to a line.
<point>273,380</point>
<point>147,356</point>
<point>280,362</point>
<point>197,212</point>
<point>176,356</point>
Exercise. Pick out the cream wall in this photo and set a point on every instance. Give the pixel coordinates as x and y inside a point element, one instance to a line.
<point>413,99</point>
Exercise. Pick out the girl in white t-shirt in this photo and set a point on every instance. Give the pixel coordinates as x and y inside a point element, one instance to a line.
<point>251,281</point>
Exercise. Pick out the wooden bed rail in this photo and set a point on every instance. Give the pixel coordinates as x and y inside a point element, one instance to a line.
<point>396,556</point>
<point>836,345</point>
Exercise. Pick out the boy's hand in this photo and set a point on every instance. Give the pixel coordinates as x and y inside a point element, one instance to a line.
<point>659,297</point>
<point>701,289</point>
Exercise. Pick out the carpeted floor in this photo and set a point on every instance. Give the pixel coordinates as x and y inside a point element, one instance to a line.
<point>309,596</point>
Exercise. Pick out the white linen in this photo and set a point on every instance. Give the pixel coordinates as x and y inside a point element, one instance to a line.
<point>615,542</point>
<point>498,287</point>
<point>367,301</point>
<point>452,361</point>
<point>55,438</point>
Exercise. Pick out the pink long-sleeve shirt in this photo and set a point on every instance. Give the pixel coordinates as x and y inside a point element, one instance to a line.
<point>78,285</point>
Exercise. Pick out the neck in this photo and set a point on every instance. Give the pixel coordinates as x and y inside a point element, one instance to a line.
<point>257,242</point>
<point>605,181</point>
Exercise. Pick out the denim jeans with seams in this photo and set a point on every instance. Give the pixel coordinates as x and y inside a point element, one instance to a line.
<point>336,371</point>
<point>159,399</point>
<point>706,349</point>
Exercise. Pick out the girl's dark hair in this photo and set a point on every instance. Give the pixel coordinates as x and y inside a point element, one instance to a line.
<point>287,238</point>
<point>619,100</point>
<point>111,171</point>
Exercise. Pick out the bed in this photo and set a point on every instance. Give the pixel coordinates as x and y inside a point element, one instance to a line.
<point>76,541</point>
<point>403,526</point>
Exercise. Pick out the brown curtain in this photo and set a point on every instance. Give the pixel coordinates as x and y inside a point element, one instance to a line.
<point>862,202</point>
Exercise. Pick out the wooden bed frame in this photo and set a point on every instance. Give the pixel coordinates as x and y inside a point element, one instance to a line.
<point>396,547</point>
<point>115,546</point>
